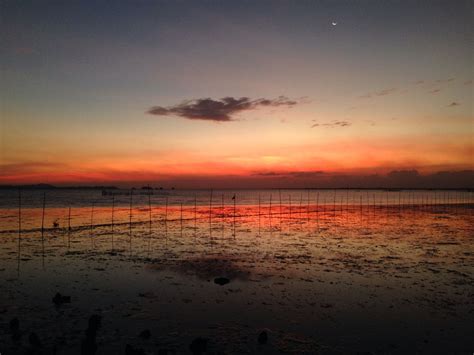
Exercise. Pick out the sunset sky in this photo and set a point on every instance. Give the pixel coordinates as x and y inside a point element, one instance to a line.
<point>234,93</point>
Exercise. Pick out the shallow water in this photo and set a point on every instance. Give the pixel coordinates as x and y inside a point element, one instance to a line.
<point>359,275</point>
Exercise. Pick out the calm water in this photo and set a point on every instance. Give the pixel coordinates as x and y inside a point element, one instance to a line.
<point>339,272</point>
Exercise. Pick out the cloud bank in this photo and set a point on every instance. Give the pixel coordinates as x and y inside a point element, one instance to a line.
<point>221,110</point>
<point>332,124</point>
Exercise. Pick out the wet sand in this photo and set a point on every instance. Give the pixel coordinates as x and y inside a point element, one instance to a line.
<point>348,279</point>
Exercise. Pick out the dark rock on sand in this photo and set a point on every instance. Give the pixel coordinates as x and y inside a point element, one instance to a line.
<point>145,334</point>
<point>130,350</point>
<point>221,280</point>
<point>59,299</point>
<point>198,346</point>
<point>263,337</point>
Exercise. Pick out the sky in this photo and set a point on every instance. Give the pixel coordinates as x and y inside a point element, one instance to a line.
<point>237,93</point>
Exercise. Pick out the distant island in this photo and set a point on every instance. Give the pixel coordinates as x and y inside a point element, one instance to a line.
<point>51,187</point>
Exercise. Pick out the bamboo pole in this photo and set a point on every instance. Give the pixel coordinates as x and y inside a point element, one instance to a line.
<point>42,226</point>
<point>289,201</point>
<point>91,224</point>
<point>149,212</point>
<point>166,220</point>
<point>181,219</point>
<point>235,198</point>
<point>307,207</point>
<point>195,213</point>
<point>113,211</point>
<point>317,208</point>
<point>19,231</point>
<point>130,214</point>
<point>210,210</point>
<point>270,209</point>
<point>301,203</point>
<point>69,228</point>
<point>259,215</point>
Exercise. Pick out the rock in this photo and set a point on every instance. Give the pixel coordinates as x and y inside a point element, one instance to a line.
<point>130,350</point>
<point>263,337</point>
<point>59,299</point>
<point>198,346</point>
<point>221,280</point>
<point>145,334</point>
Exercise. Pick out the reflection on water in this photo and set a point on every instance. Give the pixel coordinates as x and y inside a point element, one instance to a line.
<point>337,272</point>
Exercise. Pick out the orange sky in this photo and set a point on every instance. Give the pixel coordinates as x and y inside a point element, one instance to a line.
<point>134,95</point>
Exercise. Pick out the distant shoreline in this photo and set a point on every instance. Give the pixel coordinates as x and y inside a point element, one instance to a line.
<point>107,187</point>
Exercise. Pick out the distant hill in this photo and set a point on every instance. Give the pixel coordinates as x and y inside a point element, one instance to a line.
<point>50,187</point>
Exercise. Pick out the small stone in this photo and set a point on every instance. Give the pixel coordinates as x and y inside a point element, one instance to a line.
<point>221,280</point>
<point>263,337</point>
<point>59,299</point>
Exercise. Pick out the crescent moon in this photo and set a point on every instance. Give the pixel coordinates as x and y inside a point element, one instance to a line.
<point>334,23</point>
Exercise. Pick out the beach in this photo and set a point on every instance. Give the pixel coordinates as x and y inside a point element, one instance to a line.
<point>315,278</point>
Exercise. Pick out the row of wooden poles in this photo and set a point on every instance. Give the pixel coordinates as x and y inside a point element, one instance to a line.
<point>423,202</point>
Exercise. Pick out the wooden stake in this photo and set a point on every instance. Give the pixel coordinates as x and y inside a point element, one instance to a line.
<point>259,215</point>
<point>113,212</point>
<point>91,225</point>
<point>42,219</point>
<point>19,231</point>
<point>130,216</point>
<point>69,228</point>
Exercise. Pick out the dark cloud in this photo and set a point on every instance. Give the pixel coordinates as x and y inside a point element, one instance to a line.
<point>383,92</point>
<point>445,80</point>
<point>332,124</point>
<point>221,110</point>
<point>468,82</point>
<point>393,179</point>
<point>434,91</point>
<point>454,103</point>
